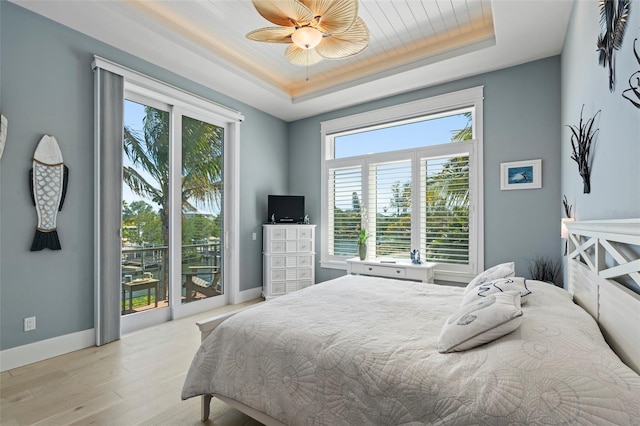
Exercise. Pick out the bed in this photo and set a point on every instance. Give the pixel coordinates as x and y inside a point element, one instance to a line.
<point>364,350</point>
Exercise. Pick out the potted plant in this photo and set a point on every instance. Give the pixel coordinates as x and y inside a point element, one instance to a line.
<point>545,269</point>
<point>362,243</point>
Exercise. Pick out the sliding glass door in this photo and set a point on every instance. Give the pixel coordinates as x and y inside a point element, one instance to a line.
<point>202,193</point>
<point>172,213</point>
<point>145,207</point>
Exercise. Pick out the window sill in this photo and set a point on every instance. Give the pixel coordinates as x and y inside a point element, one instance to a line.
<point>440,275</point>
<point>334,264</point>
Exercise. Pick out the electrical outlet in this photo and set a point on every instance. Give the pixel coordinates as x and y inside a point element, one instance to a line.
<point>29,323</point>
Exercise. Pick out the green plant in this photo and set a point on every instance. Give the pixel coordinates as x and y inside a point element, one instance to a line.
<point>363,236</point>
<point>545,269</point>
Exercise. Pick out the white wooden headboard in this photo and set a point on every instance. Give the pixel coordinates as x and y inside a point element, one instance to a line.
<point>599,252</point>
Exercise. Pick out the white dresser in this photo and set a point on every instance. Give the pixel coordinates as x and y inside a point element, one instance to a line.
<point>288,258</point>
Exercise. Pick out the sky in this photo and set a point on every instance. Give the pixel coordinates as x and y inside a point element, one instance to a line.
<point>133,115</point>
<point>413,135</point>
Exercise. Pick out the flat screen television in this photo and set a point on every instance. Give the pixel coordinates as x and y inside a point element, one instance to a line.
<point>285,209</point>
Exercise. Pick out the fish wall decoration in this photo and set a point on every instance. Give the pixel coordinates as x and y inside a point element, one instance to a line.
<point>48,180</point>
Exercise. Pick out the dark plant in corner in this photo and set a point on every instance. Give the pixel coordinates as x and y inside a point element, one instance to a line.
<point>613,22</point>
<point>545,269</point>
<point>567,213</point>
<point>582,137</point>
<point>567,206</point>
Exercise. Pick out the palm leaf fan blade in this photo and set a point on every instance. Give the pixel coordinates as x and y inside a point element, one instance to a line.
<point>352,42</point>
<point>336,16</point>
<point>298,56</point>
<point>272,35</point>
<point>281,12</point>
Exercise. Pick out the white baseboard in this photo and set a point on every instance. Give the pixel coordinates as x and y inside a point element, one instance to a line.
<point>45,349</point>
<point>251,294</point>
<point>49,348</point>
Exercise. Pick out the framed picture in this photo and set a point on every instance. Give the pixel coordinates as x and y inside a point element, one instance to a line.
<point>521,175</point>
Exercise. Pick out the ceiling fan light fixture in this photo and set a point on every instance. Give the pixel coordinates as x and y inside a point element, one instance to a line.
<point>306,37</point>
<point>314,29</point>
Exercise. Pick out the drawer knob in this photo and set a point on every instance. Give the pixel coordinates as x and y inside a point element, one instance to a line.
<point>397,271</point>
<point>370,268</point>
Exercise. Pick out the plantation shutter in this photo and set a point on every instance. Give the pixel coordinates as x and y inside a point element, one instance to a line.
<point>390,213</point>
<point>444,219</point>
<point>344,210</point>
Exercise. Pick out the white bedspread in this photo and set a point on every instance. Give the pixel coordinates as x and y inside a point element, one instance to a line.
<point>362,351</point>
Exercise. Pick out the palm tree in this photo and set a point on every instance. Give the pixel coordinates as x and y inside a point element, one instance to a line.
<point>448,205</point>
<point>202,154</point>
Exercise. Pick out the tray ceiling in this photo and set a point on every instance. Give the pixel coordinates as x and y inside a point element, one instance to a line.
<point>413,44</point>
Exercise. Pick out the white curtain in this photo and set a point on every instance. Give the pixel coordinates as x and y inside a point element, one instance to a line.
<point>109,133</point>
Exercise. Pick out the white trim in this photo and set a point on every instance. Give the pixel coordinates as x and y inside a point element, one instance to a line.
<point>45,349</point>
<point>247,295</point>
<point>146,85</point>
<point>334,264</point>
<point>625,230</point>
<point>432,105</point>
<point>232,213</point>
<point>97,246</point>
<point>407,112</point>
<point>145,319</point>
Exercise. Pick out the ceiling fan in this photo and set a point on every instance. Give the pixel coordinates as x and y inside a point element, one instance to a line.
<point>315,29</point>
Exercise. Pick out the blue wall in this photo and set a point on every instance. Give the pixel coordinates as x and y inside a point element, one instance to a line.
<point>521,122</point>
<point>47,88</point>
<point>615,178</point>
<point>51,92</point>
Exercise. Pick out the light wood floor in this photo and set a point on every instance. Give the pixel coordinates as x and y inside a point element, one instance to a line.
<point>134,381</point>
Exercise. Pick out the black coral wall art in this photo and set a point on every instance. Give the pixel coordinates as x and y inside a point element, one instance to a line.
<point>613,22</point>
<point>632,94</point>
<point>582,138</point>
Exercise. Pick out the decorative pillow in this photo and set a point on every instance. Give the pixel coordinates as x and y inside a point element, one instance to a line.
<point>502,270</point>
<point>481,321</point>
<point>500,285</point>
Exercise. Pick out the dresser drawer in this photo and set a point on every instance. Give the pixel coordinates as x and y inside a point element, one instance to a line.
<point>305,261</point>
<point>400,269</point>
<point>304,246</point>
<point>305,234</point>
<point>278,261</point>
<point>278,288</point>
<point>278,274</point>
<point>303,274</point>
<point>384,271</point>
<point>303,284</point>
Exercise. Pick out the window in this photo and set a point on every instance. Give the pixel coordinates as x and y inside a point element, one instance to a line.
<point>411,175</point>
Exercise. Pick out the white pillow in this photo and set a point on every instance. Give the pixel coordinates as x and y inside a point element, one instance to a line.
<point>502,270</point>
<point>481,321</point>
<point>500,285</point>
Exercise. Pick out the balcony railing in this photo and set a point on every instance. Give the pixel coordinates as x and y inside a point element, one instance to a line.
<point>144,274</point>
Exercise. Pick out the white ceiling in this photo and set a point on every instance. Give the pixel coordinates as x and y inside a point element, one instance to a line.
<point>413,44</point>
